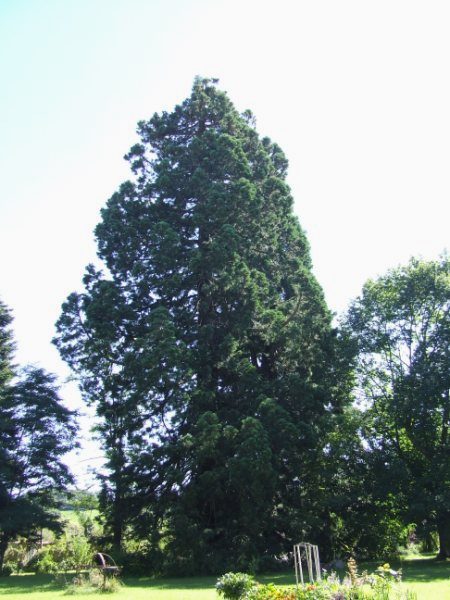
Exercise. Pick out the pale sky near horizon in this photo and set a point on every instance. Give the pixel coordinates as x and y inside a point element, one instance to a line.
<point>357,93</point>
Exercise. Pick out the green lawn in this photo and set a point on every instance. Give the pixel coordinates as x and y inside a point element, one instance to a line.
<point>42,587</point>
<point>74,519</point>
<point>428,578</point>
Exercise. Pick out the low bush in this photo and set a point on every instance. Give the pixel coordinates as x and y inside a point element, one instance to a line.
<point>45,562</point>
<point>6,571</point>
<point>66,554</point>
<point>94,581</point>
<point>137,559</point>
<point>233,586</point>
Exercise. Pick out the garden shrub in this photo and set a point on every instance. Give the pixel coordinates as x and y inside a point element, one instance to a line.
<point>16,554</point>
<point>137,562</point>
<point>6,571</point>
<point>233,586</point>
<point>94,581</point>
<point>45,562</point>
<point>66,554</point>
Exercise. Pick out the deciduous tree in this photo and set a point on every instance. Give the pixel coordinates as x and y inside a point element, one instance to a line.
<point>36,430</point>
<point>402,326</point>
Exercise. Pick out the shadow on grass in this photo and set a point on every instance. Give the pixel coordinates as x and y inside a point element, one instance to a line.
<point>175,583</point>
<point>25,584</point>
<point>425,570</point>
<point>420,570</point>
<point>192,583</point>
<point>416,570</point>
<point>286,578</point>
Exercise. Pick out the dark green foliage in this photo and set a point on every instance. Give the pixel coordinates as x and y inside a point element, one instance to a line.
<point>362,514</point>
<point>35,432</point>
<point>78,500</point>
<point>401,324</point>
<point>6,348</point>
<point>207,346</point>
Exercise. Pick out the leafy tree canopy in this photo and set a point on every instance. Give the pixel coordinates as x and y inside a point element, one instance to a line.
<point>401,325</point>
<point>36,430</point>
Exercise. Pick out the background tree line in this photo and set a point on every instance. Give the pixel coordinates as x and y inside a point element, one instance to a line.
<point>224,393</point>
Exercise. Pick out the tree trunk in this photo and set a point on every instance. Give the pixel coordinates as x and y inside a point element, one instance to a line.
<point>117,524</point>
<point>443,527</point>
<point>429,543</point>
<point>118,508</point>
<point>4,540</point>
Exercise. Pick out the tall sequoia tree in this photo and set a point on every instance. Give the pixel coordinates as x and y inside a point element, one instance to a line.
<point>206,345</point>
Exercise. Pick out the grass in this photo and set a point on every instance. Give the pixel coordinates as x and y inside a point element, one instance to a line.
<point>73,516</point>
<point>428,578</point>
<point>42,587</point>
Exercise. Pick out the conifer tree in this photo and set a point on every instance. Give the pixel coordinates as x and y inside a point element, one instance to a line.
<point>206,344</point>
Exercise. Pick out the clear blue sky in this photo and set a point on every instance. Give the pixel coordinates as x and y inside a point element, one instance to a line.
<point>357,93</point>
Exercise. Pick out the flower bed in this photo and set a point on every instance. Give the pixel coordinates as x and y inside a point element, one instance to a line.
<point>384,584</point>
